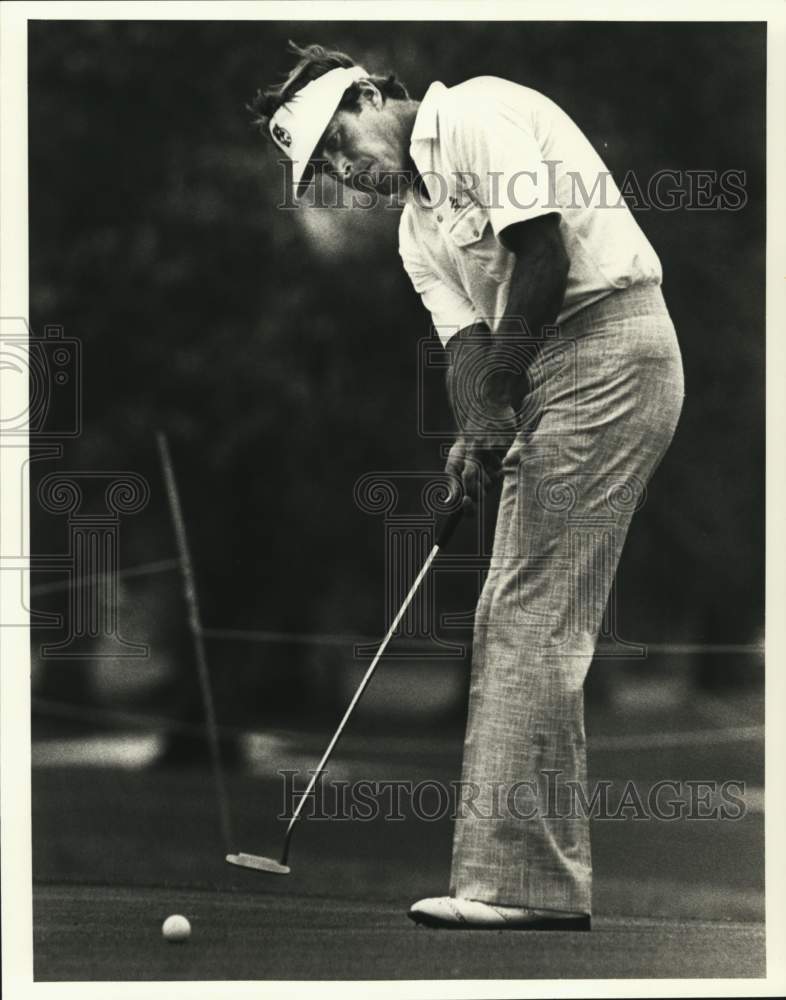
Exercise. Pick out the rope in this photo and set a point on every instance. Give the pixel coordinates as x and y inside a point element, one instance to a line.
<point>647,741</point>
<point>145,569</point>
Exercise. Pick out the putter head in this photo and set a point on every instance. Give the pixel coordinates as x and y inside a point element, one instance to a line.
<point>258,863</point>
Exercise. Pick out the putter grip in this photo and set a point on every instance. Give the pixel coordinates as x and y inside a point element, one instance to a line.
<point>449,524</point>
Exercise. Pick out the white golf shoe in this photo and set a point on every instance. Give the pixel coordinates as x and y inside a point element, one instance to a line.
<point>471,914</point>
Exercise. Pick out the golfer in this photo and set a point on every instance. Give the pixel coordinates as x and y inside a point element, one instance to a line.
<point>566,383</point>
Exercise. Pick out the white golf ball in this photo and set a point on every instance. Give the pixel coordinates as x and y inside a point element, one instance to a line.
<point>176,928</point>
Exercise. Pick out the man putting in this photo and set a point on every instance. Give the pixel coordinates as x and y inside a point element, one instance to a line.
<point>566,383</point>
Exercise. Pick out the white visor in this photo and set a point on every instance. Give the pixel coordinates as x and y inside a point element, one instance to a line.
<point>298,125</point>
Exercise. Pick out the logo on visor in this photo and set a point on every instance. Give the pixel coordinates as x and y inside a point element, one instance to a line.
<point>282,137</point>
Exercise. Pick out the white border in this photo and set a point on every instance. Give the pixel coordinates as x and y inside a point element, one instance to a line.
<point>14,679</point>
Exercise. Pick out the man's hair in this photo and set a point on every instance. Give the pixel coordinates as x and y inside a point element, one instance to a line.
<point>314,61</point>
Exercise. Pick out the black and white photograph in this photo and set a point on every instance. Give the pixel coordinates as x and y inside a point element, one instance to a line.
<point>389,449</point>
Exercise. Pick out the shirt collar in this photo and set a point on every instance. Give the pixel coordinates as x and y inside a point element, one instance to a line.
<point>424,132</point>
<point>426,119</point>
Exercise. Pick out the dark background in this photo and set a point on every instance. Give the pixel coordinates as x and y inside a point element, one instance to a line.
<point>279,349</point>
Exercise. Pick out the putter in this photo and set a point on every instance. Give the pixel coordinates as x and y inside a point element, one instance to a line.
<point>256,861</point>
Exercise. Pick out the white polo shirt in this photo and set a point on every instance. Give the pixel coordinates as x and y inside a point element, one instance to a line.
<point>492,153</point>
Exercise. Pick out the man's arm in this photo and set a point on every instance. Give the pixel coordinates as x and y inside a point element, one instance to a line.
<point>540,274</point>
<point>484,382</point>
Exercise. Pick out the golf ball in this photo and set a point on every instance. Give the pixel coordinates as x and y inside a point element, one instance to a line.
<point>176,928</point>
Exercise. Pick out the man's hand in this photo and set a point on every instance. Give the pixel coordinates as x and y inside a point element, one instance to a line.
<point>487,375</point>
<point>480,389</point>
<point>475,459</point>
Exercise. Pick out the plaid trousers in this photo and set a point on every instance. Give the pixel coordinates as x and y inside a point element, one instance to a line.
<point>603,405</point>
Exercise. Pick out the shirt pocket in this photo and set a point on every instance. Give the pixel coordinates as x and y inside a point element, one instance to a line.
<point>474,241</point>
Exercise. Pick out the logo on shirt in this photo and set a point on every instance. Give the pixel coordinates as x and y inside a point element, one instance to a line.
<point>282,137</point>
<point>455,204</point>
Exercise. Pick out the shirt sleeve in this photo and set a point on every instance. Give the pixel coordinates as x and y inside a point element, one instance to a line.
<point>450,309</point>
<point>492,145</point>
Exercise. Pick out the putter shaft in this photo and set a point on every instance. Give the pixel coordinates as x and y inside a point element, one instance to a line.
<point>449,525</point>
